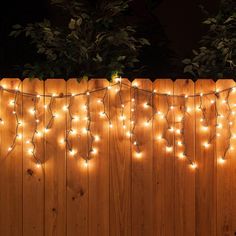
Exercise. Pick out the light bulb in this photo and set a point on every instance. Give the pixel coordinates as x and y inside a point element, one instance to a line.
<point>11,102</point>
<point>182,155</point>
<point>221,160</point>
<point>219,126</point>
<point>94,151</point>
<point>179,143</point>
<point>102,114</point>
<point>171,107</point>
<point>62,141</point>
<point>133,100</point>
<point>122,117</point>
<point>32,111</point>
<point>99,101</point>
<point>206,145</point>
<point>124,126</point>
<point>193,165</point>
<point>96,138</point>
<point>159,137</point>
<point>169,149</point>
<point>38,165</point>
<point>205,128</point>
<point>110,125</point>
<point>189,109</point>
<point>88,93</point>
<point>145,105</point>
<point>76,118</point>
<point>109,87</point>
<point>212,101</point>
<point>72,152</point>
<point>65,108</point>
<point>86,163</point>
<point>9,149</point>
<point>171,129</point>
<point>138,154</point>
<point>19,136</point>
<point>147,123</point>
<point>30,151</point>
<point>37,120</point>
<point>128,134</point>
<point>178,131</point>
<point>73,132</point>
<point>39,134</point>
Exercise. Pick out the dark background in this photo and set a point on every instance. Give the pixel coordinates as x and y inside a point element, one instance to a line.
<point>173,27</point>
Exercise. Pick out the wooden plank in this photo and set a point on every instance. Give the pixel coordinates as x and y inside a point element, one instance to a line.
<point>55,161</point>
<point>120,162</point>
<point>33,174</point>
<point>77,172</point>
<point>11,161</point>
<point>163,160</point>
<point>142,163</point>
<point>99,171</point>
<point>184,156</point>
<point>205,157</point>
<point>224,167</point>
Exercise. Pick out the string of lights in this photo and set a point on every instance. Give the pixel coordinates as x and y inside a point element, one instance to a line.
<point>135,90</point>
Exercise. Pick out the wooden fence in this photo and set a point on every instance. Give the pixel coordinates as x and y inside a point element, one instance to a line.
<point>46,189</point>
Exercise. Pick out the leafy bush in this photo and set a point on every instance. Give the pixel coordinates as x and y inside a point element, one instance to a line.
<point>216,56</point>
<point>94,39</point>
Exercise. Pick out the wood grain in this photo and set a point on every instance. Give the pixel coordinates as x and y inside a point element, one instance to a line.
<point>55,163</point>
<point>11,163</point>
<point>163,161</point>
<point>206,161</point>
<point>33,177</point>
<point>142,167</point>
<point>184,175</point>
<point>120,163</point>
<point>99,164</point>
<point>77,173</point>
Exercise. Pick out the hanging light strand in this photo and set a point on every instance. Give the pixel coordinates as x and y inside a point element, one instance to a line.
<point>18,122</point>
<point>69,130</point>
<point>52,116</point>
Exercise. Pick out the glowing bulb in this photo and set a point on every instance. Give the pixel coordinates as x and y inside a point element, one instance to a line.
<point>38,96</point>
<point>12,103</point>
<point>38,165</point>
<point>133,100</point>
<point>182,155</point>
<point>193,165</point>
<point>96,138</point>
<point>94,151</point>
<point>45,106</point>
<point>147,123</point>
<point>128,134</point>
<point>1,122</point>
<point>219,126</point>
<point>135,84</point>
<point>14,112</point>
<point>84,130</point>
<point>20,123</point>
<point>221,160</point>
<point>198,108</point>
<point>218,134</point>
<point>32,111</point>
<point>54,95</point>
<point>28,142</point>
<point>159,137</point>
<point>84,107</point>
<point>145,105</point>
<point>233,112</point>
<point>9,149</point>
<point>132,109</point>
<point>72,152</point>
<point>169,149</point>
<point>178,131</point>
<point>205,128</point>
<point>118,79</point>
<point>171,129</point>
<point>224,101</point>
<point>154,91</point>
<point>73,132</point>
<point>109,87</point>
<point>88,93</point>
<point>124,126</point>
<point>233,136</point>
<point>230,123</point>
<point>135,143</point>
<point>65,108</point>
<point>86,164</point>
<point>233,89</point>
<point>39,134</point>
<point>46,130</point>
<point>138,154</point>
<point>55,115</point>
<point>30,151</point>
<point>179,143</point>
<point>62,141</point>
<point>110,125</point>
<point>122,105</point>
<point>189,109</point>
<point>186,96</point>
<point>231,148</point>
<point>37,120</point>
<point>171,107</point>
<point>206,145</point>
<point>19,136</point>
<point>201,94</point>
<point>99,101</point>
<point>102,114</point>
<point>212,101</point>
<point>122,117</point>
<point>76,118</point>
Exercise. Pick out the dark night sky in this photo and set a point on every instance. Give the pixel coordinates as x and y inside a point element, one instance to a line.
<point>180,20</point>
